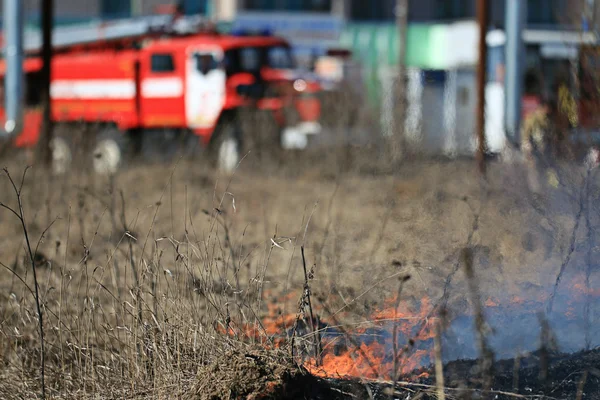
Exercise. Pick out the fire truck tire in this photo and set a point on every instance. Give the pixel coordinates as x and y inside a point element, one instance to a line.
<point>67,146</point>
<point>62,155</point>
<point>226,149</point>
<point>109,151</point>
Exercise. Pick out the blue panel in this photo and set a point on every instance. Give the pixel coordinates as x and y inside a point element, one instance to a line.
<point>195,6</point>
<point>433,77</point>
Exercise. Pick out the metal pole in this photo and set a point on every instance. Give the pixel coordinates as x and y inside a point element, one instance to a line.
<point>482,18</point>
<point>47,22</point>
<point>595,17</point>
<point>340,8</point>
<point>402,26</point>
<point>13,53</point>
<point>516,12</point>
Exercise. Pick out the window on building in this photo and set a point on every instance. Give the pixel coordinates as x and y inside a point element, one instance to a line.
<point>116,9</point>
<point>373,10</point>
<point>162,62</point>
<point>289,5</point>
<point>454,9</point>
<point>546,12</point>
<point>195,6</point>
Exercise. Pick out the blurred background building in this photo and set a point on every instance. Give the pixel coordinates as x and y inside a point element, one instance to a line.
<point>441,53</point>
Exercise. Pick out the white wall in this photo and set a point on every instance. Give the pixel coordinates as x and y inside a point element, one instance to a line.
<point>226,10</point>
<point>441,118</point>
<point>494,117</point>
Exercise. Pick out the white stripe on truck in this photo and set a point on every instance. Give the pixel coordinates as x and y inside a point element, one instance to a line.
<point>93,89</point>
<point>162,87</point>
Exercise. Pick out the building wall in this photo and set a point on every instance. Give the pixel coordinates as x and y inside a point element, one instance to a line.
<point>68,11</point>
<point>65,10</point>
<point>540,12</point>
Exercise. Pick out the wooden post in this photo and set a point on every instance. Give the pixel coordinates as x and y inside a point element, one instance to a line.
<point>402,26</point>
<point>482,18</point>
<point>47,125</point>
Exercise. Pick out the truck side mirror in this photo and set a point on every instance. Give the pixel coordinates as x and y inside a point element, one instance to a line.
<point>245,84</point>
<point>242,78</point>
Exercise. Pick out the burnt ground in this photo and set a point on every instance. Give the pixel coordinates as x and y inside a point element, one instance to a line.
<point>538,375</point>
<point>560,376</point>
<point>205,251</point>
<point>253,374</point>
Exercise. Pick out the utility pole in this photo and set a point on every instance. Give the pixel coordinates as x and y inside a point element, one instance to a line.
<point>402,26</point>
<point>13,53</point>
<point>516,12</point>
<point>47,126</point>
<point>482,18</point>
<point>136,7</point>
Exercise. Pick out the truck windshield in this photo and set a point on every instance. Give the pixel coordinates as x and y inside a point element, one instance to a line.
<point>279,57</point>
<point>251,59</point>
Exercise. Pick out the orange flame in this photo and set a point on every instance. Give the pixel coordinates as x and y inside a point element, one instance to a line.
<point>376,360</point>
<point>368,351</point>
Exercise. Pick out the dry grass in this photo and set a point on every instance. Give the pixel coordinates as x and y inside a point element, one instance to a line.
<point>140,275</point>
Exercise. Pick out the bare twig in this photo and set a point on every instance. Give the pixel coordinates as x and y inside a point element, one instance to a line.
<point>395,327</point>
<point>486,355</point>
<point>571,249</point>
<point>581,385</point>
<point>21,216</point>
<point>317,336</point>
<point>516,368</point>
<point>547,344</point>
<point>439,368</point>
<point>405,384</point>
<point>590,266</point>
<point>350,339</point>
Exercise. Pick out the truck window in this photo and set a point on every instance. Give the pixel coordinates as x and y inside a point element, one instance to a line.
<point>205,62</point>
<point>162,62</point>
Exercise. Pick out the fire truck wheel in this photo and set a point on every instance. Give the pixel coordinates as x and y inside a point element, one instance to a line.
<point>226,149</point>
<point>62,156</point>
<point>108,152</point>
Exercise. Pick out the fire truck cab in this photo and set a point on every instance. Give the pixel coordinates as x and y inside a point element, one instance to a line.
<point>191,86</point>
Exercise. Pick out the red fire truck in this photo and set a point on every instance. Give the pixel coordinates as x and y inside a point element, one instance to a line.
<point>124,89</point>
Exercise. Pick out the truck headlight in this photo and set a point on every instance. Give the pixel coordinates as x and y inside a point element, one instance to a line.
<point>300,85</point>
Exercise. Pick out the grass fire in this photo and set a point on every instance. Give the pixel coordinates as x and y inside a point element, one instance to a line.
<point>178,282</point>
<point>202,203</point>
